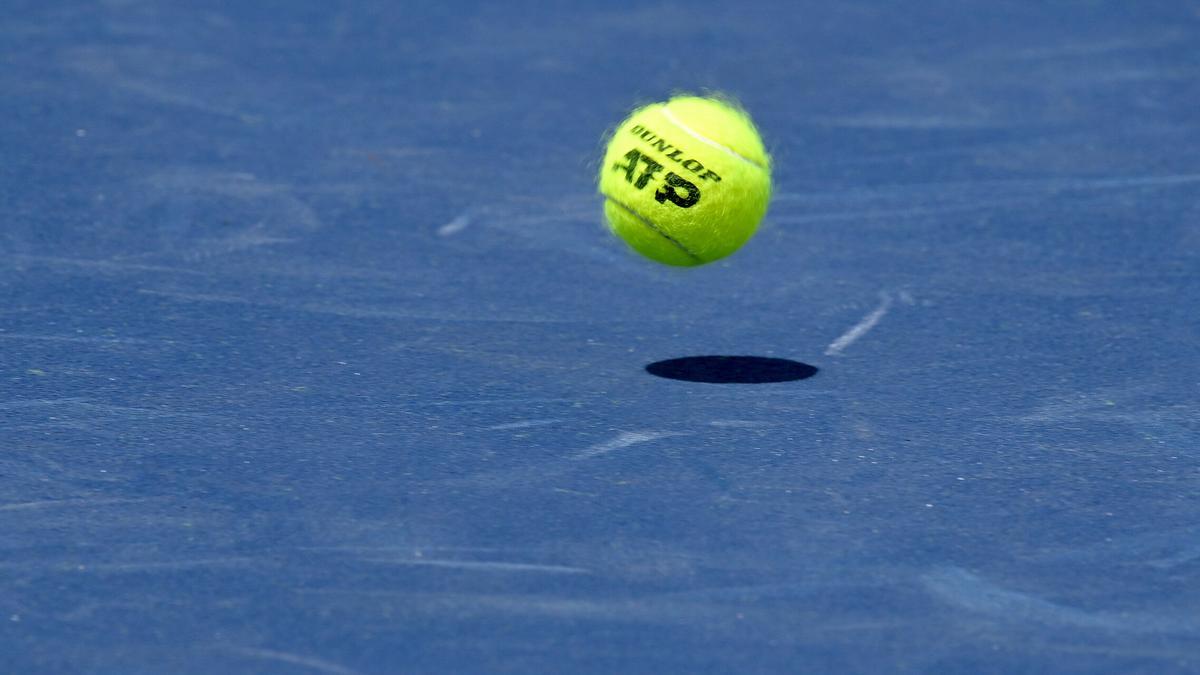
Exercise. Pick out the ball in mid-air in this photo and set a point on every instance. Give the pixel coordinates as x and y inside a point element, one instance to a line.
<point>686,181</point>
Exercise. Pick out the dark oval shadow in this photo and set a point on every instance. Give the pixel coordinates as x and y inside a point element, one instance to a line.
<point>732,369</point>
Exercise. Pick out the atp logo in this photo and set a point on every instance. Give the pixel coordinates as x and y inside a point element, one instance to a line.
<point>640,169</point>
<point>675,188</point>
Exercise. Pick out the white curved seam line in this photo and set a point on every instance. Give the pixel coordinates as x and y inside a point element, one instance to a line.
<point>650,224</point>
<point>708,141</point>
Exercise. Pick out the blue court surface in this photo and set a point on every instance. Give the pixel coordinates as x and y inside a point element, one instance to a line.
<point>317,356</point>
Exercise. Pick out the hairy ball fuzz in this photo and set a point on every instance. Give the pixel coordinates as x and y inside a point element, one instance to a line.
<point>687,181</point>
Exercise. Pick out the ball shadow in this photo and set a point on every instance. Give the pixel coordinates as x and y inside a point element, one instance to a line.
<point>732,369</point>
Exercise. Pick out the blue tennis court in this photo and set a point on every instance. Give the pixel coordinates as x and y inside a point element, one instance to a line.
<point>317,356</point>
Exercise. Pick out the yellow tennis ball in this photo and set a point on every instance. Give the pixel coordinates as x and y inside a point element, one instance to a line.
<point>687,181</point>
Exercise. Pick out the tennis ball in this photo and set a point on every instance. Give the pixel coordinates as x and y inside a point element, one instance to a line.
<point>687,181</point>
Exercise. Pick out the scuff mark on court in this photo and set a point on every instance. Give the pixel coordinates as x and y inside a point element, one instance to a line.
<point>861,328</point>
<point>972,593</point>
<point>624,440</point>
